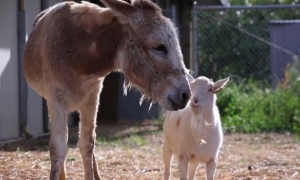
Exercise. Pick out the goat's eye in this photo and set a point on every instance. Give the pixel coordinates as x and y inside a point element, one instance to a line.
<point>210,90</point>
<point>161,48</point>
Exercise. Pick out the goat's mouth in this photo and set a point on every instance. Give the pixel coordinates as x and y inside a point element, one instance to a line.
<point>194,105</point>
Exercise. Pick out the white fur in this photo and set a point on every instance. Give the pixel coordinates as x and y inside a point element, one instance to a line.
<point>194,134</point>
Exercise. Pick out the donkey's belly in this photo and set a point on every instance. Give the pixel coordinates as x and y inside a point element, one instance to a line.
<point>33,63</point>
<point>34,75</point>
<point>38,87</point>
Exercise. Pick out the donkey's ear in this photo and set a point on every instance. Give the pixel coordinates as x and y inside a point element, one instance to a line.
<point>218,86</point>
<point>146,5</point>
<point>120,8</point>
<point>190,77</point>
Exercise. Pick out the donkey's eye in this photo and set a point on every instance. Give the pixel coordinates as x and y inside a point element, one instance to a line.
<point>161,48</point>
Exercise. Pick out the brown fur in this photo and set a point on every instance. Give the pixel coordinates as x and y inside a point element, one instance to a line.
<point>72,47</point>
<point>178,123</point>
<point>146,5</point>
<point>89,15</point>
<point>39,16</point>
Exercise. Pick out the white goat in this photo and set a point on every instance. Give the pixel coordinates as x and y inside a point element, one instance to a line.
<point>194,134</point>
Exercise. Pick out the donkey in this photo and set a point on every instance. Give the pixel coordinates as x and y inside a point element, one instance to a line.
<point>73,46</point>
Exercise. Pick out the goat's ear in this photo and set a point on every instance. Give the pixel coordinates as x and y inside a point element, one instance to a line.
<point>120,8</point>
<point>218,86</point>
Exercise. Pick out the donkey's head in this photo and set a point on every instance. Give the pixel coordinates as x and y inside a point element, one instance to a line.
<point>153,61</point>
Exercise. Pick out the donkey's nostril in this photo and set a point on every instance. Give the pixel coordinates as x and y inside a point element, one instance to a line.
<point>181,98</point>
<point>184,96</point>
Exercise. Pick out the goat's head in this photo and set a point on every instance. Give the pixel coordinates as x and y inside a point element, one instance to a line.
<point>152,38</point>
<point>204,91</point>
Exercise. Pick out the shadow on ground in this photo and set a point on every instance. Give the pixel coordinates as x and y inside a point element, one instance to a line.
<point>105,132</point>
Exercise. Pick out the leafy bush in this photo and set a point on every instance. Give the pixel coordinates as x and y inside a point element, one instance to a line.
<point>247,107</point>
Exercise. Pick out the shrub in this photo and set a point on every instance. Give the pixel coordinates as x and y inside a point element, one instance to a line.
<point>247,107</point>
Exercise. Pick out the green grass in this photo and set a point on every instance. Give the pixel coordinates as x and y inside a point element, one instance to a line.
<point>135,140</point>
<point>104,140</point>
<point>131,140</point>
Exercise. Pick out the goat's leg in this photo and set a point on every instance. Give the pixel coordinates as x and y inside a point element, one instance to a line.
<point>86,141</point>
<point>183,165</point>
<point>211,168</point>
<point>192,170</point>
<point>58,139</point>
<point>167,159</point>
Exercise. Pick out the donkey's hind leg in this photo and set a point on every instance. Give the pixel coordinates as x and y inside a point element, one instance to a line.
<point>86,141</point>
<point>95,166</point>
<point>58,139</point>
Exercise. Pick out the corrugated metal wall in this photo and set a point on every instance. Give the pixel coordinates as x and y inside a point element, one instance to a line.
<point>9,87</point>
<point>285,34</point>
<point>9,116</point>
<point>34,102</point>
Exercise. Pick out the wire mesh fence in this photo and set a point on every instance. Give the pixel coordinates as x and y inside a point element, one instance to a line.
<point>239,41</point>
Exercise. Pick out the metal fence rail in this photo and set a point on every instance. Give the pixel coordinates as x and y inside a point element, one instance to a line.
<point>240,41</point>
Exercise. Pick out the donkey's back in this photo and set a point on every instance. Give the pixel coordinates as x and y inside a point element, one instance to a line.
<point>62,50</point>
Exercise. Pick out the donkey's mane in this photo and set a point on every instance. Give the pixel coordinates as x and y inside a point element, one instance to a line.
<point>87,14</point>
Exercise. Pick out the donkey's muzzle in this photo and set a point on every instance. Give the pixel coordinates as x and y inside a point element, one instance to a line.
<point>179,100</point>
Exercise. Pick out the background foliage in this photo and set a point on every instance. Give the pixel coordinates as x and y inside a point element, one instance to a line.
<point>226,50</point>
<point>246,108</point>
<point>248,104</point>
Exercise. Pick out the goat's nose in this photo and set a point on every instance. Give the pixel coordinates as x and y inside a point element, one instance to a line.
<point>195,100</point>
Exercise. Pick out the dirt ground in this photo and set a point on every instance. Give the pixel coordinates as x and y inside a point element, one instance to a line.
<point>126,152</point>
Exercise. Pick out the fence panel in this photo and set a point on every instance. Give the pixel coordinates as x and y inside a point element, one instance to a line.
<point>236,41</point>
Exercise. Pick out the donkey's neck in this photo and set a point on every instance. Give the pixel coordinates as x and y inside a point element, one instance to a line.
<point>100,50</point>
<point>96,35</point>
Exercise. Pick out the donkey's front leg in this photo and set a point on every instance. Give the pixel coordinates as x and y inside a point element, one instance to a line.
<point>58,139</point>
<point>86,142</point>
